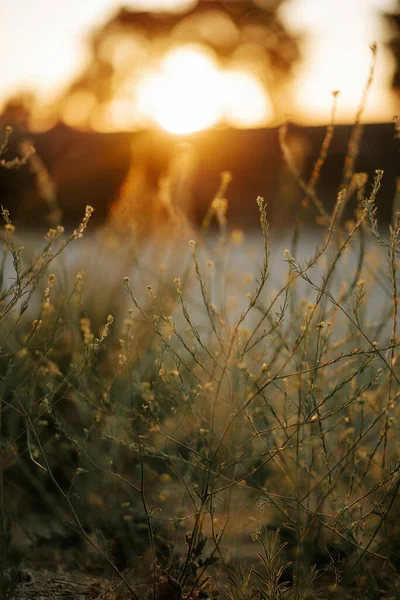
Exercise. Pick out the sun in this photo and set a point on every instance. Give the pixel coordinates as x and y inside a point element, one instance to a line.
<point>183,97</point>
<point>190,92</point>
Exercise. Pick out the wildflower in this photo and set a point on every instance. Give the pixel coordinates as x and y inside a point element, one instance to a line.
<point>45,405</point>
<point>78,233</point>
<point>85,327</point>
<point>226,177</point>
<point>178,284</point>
<point>10,229</point>
<point>104,333</point>
<point>5,214</point>
<point>220,207</point>
<point>46,301</point>
<point>53,234</point>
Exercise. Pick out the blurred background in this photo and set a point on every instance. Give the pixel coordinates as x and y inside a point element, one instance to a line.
<point>118,98</point>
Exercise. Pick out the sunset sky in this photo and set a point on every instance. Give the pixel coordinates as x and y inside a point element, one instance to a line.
<point>42,46</point>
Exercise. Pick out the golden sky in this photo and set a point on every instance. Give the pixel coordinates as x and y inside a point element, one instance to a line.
<point>337,56</point>
<point>42,46</point>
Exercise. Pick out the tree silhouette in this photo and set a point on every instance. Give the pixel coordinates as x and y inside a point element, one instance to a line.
<point>393,20</point>
<point>232,29</point>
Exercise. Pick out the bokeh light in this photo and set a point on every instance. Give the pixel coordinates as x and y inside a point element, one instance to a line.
<point>191,92</point>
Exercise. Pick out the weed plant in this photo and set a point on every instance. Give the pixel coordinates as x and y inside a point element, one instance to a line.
<point>191,430</point>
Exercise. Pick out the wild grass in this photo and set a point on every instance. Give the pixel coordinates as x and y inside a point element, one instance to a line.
<point>193,430</point>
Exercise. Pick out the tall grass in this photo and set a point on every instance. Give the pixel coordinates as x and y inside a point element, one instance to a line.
<point>194,429</point>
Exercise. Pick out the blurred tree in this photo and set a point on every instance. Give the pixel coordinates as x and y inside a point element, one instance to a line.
<point>393,20</point>
<point>17,111</point>
<point>237,31</point>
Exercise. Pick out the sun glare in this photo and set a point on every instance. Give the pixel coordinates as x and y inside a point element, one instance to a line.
<point>190,92</point>
<point>246,101</point>
<point>183,97</point>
